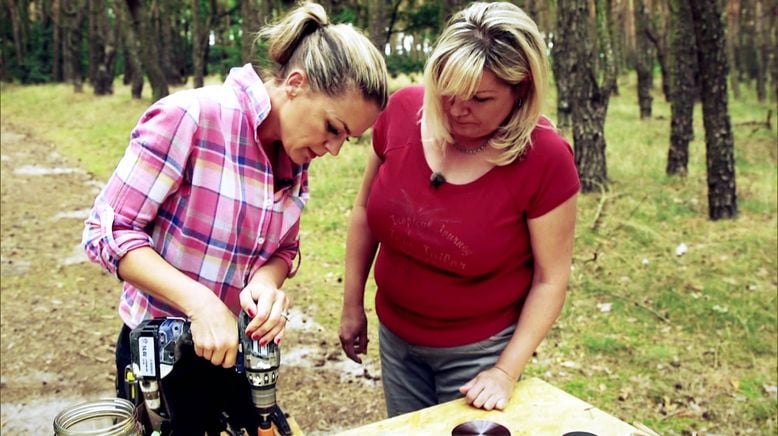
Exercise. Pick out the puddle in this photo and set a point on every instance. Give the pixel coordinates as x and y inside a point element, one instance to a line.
<point>36,417</point>
<point>318,359</point>
<point>299,322</point>
<point>7,137</point>
<point>15,267</point>
<point>73,214</point>
<point>321,359</point>
<point>34,170</point>
<point>77,255</point>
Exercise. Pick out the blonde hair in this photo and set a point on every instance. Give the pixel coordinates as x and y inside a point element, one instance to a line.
<point>503,39</point>
<point>335,57</point>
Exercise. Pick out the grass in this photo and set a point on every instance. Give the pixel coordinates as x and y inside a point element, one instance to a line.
<point>689,344</point>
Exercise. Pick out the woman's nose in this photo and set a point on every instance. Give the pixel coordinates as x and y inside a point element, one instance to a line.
<point>333,146</point>
<point>458,107</point>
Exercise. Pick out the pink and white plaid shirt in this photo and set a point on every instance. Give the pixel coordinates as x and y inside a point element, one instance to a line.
<point>195,185</point>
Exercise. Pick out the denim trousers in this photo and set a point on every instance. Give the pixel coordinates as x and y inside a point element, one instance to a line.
<point>415,377</point>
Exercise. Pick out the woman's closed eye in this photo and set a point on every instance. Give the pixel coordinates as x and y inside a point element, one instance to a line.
<point>332,129</point>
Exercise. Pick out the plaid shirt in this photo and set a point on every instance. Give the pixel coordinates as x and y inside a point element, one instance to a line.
<point>196,185</point>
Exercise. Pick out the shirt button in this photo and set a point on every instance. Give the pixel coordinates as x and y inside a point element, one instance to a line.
<point>261,240</point>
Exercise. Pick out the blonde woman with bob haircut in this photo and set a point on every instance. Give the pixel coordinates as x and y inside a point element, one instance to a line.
<point>201,217</point>
<point>468,209</point>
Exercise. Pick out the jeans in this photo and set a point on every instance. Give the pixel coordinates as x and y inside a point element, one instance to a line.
<point>415,377</point>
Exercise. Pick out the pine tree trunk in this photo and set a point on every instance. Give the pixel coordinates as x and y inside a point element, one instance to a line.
<point>719,142</point>
<point>166,14</point>
<point>16,31</point>
<point>249,27</point>
<point>683,91</point>
<point>148,48</point>
<point>201,27</point>
<point>56,56</point>
<point>733,33</point>
<point>105,60</point>
<point>132,62</point>
<point>762,49</point>
<point>589,99</point>
<point>378,23</point>
<point>616,13</point>
<point>658,34</point>
<point>72,17</point>
<point>644,59</point>
<point>772,23</point>
<point>94,37</point>
<point>102,48</point>
<point>563,61</point>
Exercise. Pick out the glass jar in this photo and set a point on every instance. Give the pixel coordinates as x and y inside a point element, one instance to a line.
<point>105,417</point>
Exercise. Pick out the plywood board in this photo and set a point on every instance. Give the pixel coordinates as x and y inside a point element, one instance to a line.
<point>536,408</point>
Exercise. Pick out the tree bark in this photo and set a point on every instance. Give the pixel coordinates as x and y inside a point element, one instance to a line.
<point>762,49</point>
<point>657,33</point>
<point>165,18</point>
<point>250,24</point>
<point>683,91</point>
<point>56,45</point>
<point>644,57</point>
<point>772,23</point>
<point>733,33</point>
<point>132,63</point>
<point>201,27</point>
<point>72,17</point>
<point>378,24</point>
<point>719,142</point>
<point>105,58</point>
<point>148,48</point>
<point>563,61</point>
<point>619,36</point>
<point>94,37</point>
<point>16,31</point>
<point>588,97</point>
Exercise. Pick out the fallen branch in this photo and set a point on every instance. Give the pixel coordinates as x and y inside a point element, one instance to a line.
<point>767,123</point>
<point>641,305</point>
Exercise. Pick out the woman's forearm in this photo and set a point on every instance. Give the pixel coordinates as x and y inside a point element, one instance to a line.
<point>540,311</point>
<point>145,269</point>
<point>360,252</point>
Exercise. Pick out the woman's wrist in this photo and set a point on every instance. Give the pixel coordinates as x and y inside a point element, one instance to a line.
<point>506,373</point>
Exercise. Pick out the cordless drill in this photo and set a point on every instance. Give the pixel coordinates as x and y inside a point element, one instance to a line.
<point>156,345</point>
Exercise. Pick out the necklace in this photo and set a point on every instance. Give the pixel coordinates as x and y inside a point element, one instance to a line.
<point>468,150</point>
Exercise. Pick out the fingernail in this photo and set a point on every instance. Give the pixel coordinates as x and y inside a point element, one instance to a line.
<point>255,337</point>
<point>277,341</point>
<point>263,342</point>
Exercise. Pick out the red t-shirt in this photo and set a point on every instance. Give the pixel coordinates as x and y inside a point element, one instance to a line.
<point>455,263</point>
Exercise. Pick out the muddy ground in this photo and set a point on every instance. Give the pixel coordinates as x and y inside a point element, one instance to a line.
<point>59,320</point>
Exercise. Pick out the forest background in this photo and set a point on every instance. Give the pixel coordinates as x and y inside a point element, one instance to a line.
<point>671,317</point>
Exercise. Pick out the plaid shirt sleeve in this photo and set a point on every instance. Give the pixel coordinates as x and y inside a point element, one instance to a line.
<point>152,168</point>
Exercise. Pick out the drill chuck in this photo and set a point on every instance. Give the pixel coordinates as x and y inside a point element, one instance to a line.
<point>260,364</point>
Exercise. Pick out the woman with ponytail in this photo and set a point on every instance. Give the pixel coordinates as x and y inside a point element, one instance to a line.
<point>201,217</point>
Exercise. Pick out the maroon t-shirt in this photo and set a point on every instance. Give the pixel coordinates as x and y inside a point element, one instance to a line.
<point>455,263</point>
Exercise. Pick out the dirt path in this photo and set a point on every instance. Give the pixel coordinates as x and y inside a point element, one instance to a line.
<point>59,321</point>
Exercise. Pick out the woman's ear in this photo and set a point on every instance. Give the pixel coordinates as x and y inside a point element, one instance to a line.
<point>295,81</point>
<point>521,93</point>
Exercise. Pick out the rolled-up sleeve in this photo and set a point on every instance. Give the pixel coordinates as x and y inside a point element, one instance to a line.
<point>289,249</point>
<point>151,168</point>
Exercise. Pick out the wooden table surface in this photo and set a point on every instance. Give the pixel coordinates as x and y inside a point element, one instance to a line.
<point>536,408</point>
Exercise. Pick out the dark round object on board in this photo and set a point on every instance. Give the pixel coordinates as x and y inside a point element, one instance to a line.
<point>480,428</point>
<point>579,433</point>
